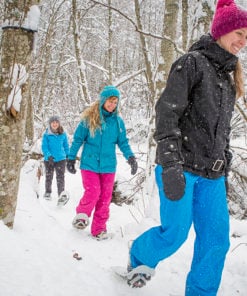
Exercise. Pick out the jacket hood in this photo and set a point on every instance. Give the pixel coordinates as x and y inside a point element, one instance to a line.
<point>218,56</point>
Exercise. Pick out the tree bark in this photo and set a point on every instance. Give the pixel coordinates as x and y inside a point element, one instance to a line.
<point>82,81</point>
<point>17,45</point>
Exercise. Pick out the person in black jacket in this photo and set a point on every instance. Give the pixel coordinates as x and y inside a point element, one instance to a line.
<point>192,133</point>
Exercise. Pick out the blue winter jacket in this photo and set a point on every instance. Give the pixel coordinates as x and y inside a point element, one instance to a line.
<point>99,151</point>
<point>55,145</point>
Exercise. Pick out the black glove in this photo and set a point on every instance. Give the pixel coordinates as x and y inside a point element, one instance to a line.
<point>173,181</point>
<point>132,162</point>
<point>71,166</point>
<point>50,161</point>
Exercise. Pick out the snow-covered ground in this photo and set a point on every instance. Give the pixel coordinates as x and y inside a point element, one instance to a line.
<point>36,257</point>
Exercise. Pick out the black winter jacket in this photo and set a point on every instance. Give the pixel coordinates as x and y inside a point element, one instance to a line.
<point>194,112</point>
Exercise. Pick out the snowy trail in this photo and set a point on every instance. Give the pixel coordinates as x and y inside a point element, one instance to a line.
<point>37,255</point>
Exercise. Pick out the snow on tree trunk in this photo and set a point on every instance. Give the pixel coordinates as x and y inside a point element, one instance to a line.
<point>166,59</point>
<point>20,23</point>
<point>82,81</point>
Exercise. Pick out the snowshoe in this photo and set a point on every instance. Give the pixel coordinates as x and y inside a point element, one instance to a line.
<point>80,221</point>
<point>47,196</point>
<point>103,236</point>
<point>63,198</point>
<point>135,277</point>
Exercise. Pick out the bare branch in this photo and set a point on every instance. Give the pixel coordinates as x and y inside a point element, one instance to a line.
<point>179,50</point>
<point>238,246</point>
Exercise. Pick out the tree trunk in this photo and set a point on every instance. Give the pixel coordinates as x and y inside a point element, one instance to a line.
<point>185,13</point>
<point>110,32</point>
<point>82,81</point>
<point>17,44</point>
<point>202,25</point>
<point>167,57</point>
<point>145,52</point>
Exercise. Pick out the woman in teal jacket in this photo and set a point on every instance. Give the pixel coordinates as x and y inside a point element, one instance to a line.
<point>99,131</point>
<point>55,148</point>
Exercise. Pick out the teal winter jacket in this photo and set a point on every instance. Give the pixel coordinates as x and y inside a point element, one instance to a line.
<point>99,151</point>
<point>55,145</point>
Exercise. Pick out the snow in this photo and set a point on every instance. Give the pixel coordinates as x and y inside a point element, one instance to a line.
<point>37,254</point>
<point>18,77</point>
<point>30,22</point>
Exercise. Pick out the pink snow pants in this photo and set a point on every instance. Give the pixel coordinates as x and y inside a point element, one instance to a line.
<point>97,195</point>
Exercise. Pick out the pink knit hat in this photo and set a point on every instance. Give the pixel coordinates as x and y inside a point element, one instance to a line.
<point>228,17</point>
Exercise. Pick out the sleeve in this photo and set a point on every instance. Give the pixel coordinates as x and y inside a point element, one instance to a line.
<point>123,142</point>
<point>66,145</point>
<point>228,155</point>
<point>78,140</point>
<point>170,107</point>
<point>45,147</point>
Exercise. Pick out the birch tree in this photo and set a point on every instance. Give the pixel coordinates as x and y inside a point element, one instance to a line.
<point>42,93</point>
<point>82,81</point>
<point>19,26</point>
<point>167,56</point>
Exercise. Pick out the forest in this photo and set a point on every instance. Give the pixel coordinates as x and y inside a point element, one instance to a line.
<point>58,55</point>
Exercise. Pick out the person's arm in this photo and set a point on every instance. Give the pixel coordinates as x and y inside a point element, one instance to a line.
<point>169,108</point>
<point>78,140</point>
<point>66,145</point>
<point>123,144</point>
<point>44,147</point>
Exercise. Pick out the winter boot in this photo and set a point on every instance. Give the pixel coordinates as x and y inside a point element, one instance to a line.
<point>80,221</point>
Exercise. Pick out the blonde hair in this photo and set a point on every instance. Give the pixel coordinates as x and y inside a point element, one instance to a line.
<point>92,117</point>
<point>239,80</point>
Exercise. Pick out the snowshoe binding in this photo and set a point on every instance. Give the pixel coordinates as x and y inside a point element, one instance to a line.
<point>137,277</point>
<point>80,221</point>
<point>47,196</point>
<point>103,235</point>
<point>63,198</point>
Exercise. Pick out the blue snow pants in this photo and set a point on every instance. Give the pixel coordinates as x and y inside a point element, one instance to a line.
<point>205,205</point>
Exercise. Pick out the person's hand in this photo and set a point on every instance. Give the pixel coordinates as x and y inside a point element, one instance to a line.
<point>173,181</point>
<point>71,166</point>
<point>50,161</point>
<point>133,163</point>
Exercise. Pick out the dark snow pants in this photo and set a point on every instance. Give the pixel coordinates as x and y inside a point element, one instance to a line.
<point>59,167</point>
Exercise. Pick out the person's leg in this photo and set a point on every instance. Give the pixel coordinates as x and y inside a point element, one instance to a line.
<point>211,223</point>
<point>49,171</point>
<point>101,213</point>
<point>60,170</point>
<point>160,242</point>
<point>91,184</point>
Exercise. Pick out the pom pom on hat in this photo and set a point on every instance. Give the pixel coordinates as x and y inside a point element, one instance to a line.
<point>54,118</point>
<point>228,17</point>
<point>109,91</point>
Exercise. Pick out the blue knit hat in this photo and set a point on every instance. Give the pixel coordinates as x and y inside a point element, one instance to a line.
<point>107,92</point>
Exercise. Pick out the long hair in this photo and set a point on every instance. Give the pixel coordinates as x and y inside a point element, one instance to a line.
<point>92,117</point>
<point>239,81</point>
<point>58,131</point>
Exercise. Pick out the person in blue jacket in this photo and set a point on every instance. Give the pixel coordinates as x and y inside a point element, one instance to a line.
<point>101,129</point>
<point>55,148</point>
<point>193,123</point>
